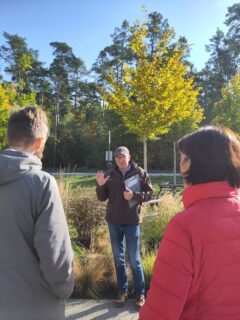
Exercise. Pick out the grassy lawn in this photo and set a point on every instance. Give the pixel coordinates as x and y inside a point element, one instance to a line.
<point>77,182</point>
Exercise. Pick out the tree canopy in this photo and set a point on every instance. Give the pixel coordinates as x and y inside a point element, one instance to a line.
<point>156,91</point>
<point>228,108</point>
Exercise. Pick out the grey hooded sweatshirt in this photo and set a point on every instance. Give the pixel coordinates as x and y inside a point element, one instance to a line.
<point>36,259</point>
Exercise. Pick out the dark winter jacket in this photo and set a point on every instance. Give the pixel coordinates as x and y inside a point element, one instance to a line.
<point>36,272</point>
<point>119,210</point>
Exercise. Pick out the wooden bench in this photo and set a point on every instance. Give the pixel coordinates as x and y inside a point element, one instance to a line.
<point>170,186</point>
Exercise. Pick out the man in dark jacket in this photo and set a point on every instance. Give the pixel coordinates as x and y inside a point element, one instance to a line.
<point>126,188</point>
<point>36,259</point>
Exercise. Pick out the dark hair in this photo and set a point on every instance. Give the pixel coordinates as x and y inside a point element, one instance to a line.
<point>215,155</point>
<point>25,125</point>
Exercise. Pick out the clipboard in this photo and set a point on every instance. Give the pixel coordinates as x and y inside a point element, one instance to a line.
<point>133,184</point>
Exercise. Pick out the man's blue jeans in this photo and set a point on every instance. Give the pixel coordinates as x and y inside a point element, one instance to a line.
<point>132,237</point>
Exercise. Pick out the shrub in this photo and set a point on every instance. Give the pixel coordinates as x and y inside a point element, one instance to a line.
<point>87,215</point>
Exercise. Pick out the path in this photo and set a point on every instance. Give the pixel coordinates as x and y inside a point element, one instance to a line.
<point>99,310</point>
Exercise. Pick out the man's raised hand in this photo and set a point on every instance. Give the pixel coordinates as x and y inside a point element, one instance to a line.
<point>101,180</point>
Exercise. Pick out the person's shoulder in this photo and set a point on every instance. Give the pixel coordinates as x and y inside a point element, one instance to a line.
<point>180,216</point>
<point>42,177</point>
<point>177,225</point>
<point>184,218</point>
<point>139,169</point>
<point>48,176</point>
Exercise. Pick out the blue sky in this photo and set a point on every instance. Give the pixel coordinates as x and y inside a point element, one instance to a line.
<point>86,25</point>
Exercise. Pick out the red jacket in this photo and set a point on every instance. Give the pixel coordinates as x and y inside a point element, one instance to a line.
<point>196,275</point>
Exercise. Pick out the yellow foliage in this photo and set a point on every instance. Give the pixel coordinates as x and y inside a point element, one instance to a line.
<point>9,98</point>
<point>153,94</point>
<point>227,108</point>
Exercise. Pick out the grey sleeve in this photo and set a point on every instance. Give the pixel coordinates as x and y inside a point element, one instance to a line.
<point>52,242</point>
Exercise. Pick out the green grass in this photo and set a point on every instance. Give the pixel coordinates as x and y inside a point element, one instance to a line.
<point>89,182</point>
<point>77,182</point>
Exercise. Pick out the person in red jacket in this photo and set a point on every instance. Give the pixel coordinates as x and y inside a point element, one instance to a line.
<point>196,274</point>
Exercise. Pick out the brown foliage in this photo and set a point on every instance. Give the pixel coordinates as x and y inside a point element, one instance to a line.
<point>87,215</point>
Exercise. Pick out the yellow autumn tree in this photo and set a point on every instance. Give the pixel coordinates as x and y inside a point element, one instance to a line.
<point>153,94</point>
<point>7,97</point>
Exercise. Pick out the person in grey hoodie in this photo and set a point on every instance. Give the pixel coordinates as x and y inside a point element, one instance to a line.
<point>36,259</point>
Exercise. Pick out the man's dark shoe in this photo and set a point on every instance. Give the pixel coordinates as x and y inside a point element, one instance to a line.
<point>140,300</point>
<point>121,299</point>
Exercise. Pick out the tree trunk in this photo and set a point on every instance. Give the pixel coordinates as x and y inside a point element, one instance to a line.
<point>55,141</point>
<point>145,153</point>
<point>56,128</point>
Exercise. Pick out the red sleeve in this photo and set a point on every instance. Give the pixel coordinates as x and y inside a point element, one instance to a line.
<point>172,276</point>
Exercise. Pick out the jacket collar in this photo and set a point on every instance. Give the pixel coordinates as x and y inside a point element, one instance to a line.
<point>219,189</point>
<point>133,167</point>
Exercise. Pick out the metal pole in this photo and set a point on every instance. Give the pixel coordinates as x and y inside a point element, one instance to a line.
<point>109,143</point>
<point>145,153</point>
<point>109,164</point>
<point>174,163</point>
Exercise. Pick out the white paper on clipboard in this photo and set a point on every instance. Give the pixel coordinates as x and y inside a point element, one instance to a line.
<point>133,184</point>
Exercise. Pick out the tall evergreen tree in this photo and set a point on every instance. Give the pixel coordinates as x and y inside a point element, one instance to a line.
<point>233,35</point>
<point>223,62</point>
<point>156,27</point>
<point>59,72</point>
<point>115,55</point>
<point>21,63</point>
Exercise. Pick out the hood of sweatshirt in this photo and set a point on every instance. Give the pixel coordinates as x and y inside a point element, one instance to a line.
<point>15,164</point>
